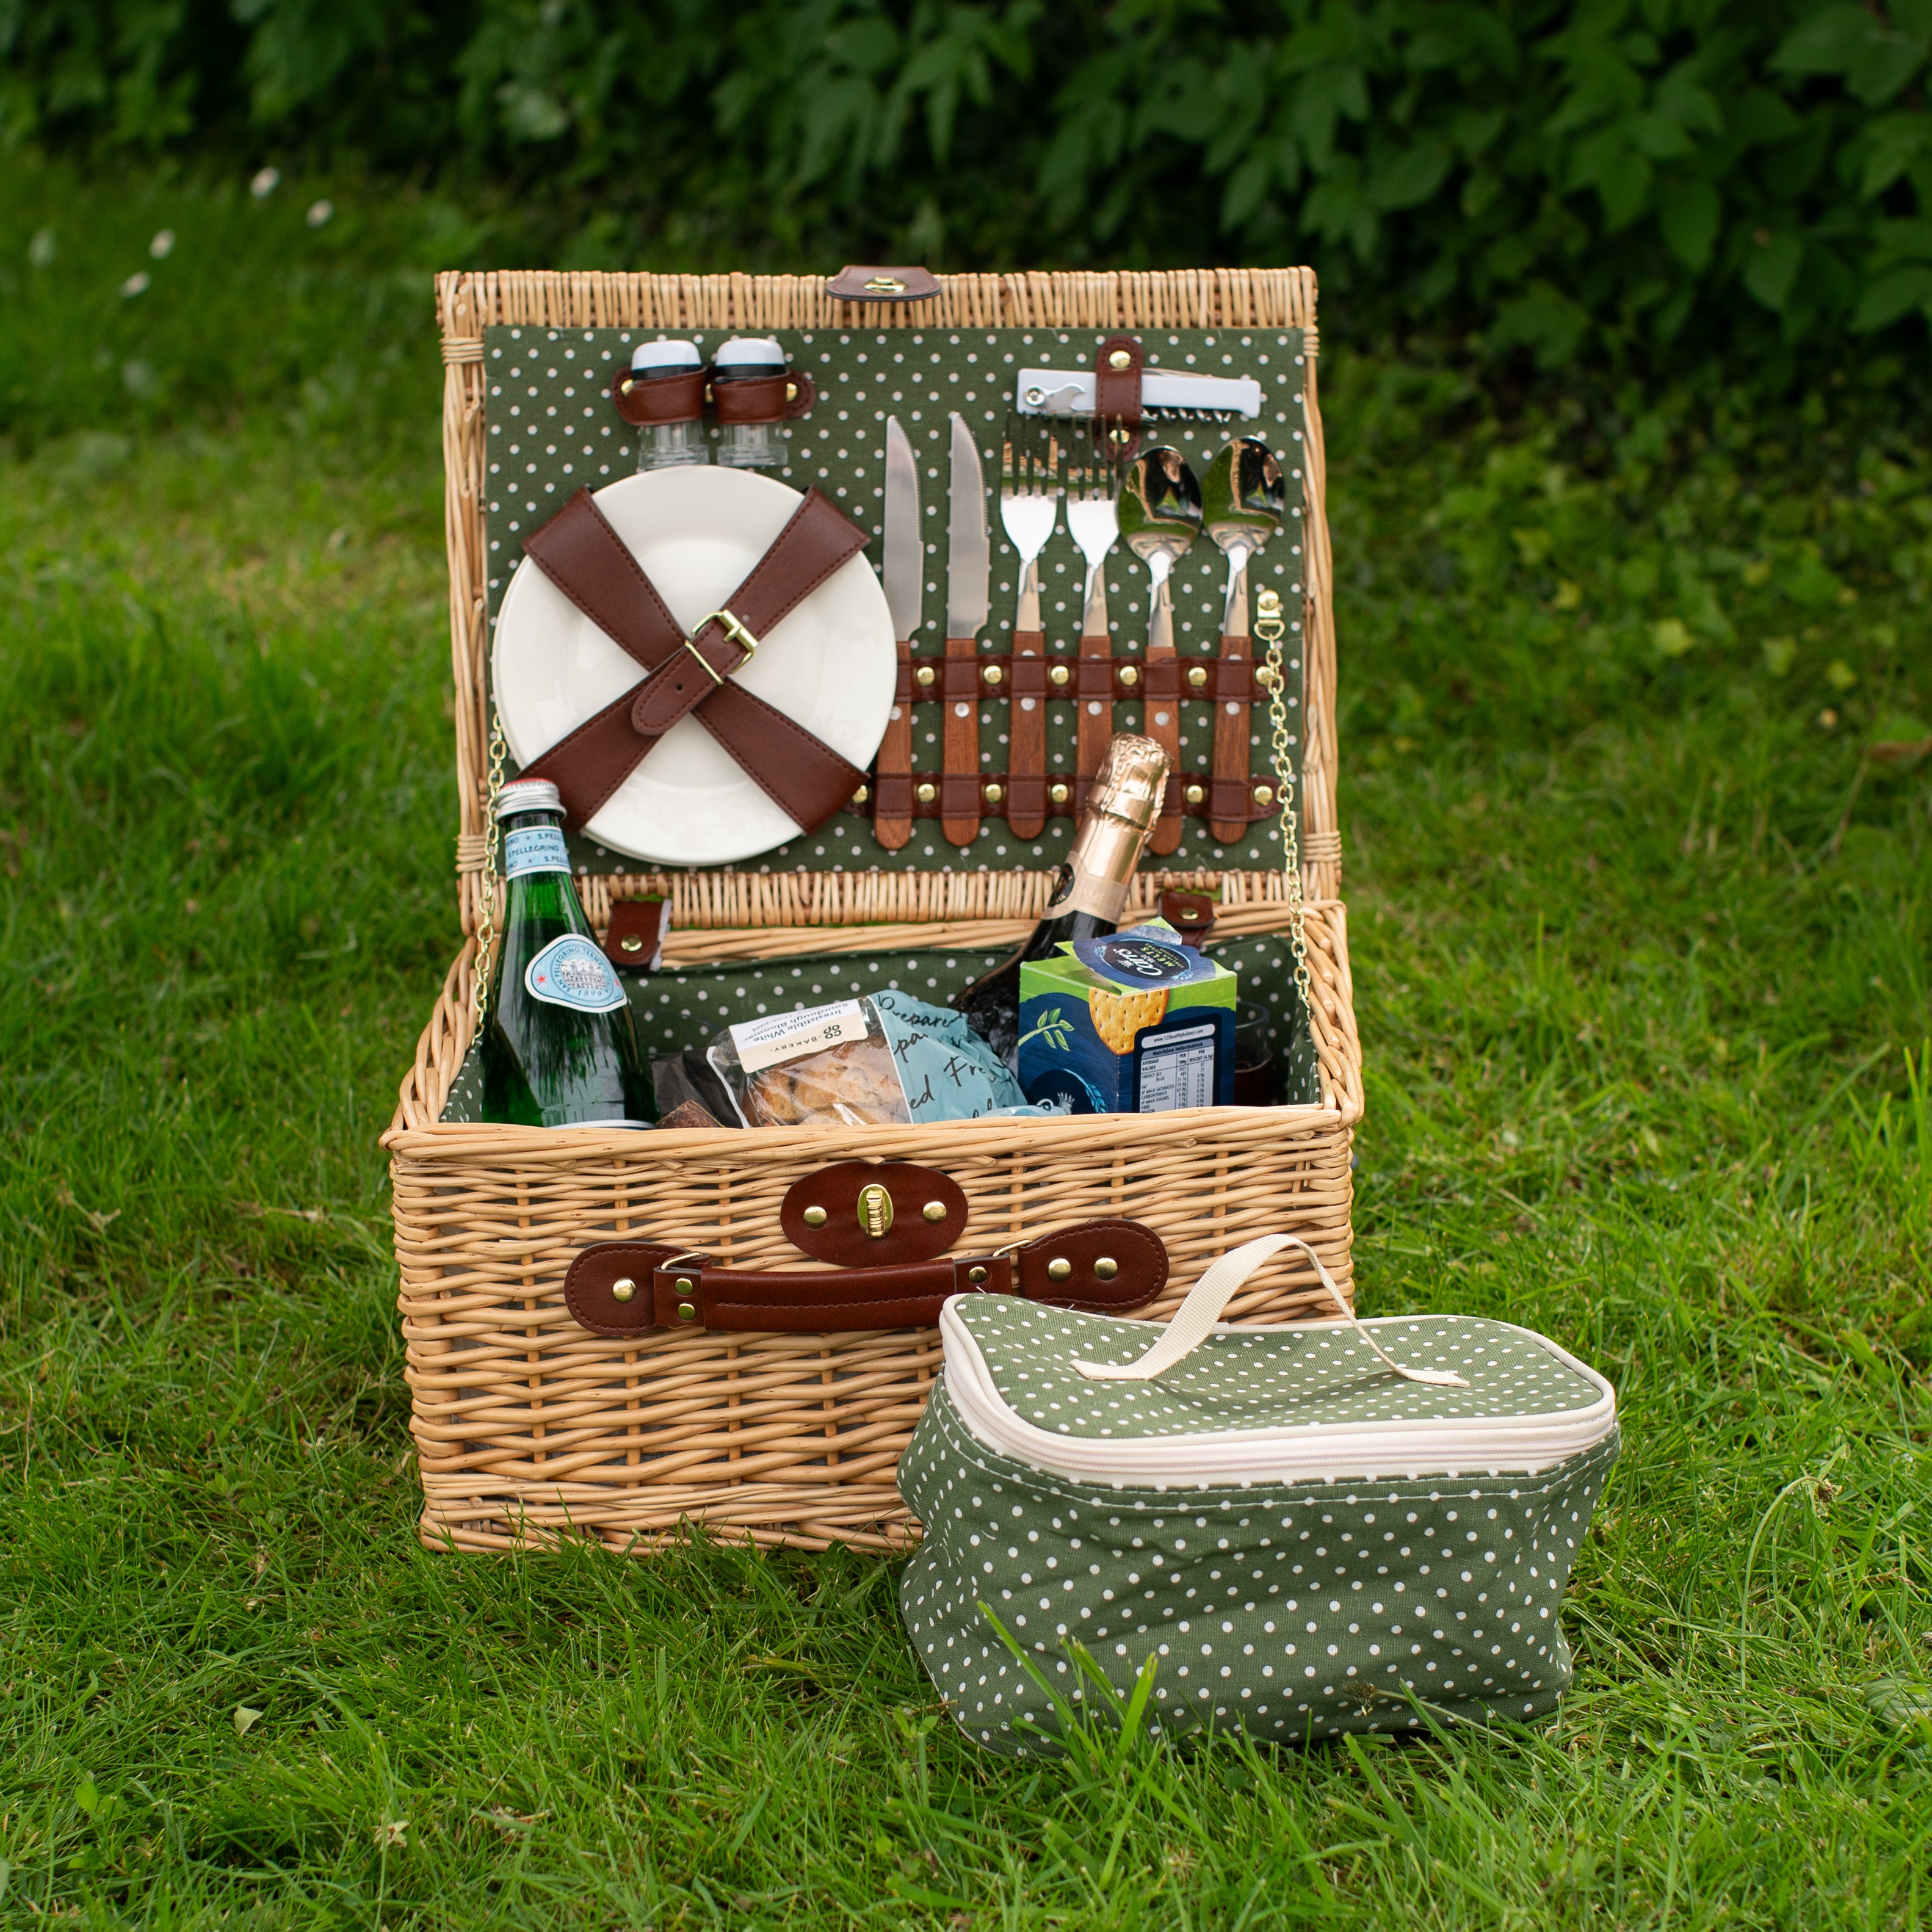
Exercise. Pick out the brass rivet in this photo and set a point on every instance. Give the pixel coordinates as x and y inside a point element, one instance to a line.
<point>1059,674</point>
<point>686,1312</point>
<point>1194,794</point>
<point>885,285</point>
<point>926,793</point>
<point>1264,794</point>
<point>1268,602</point>
<point>1121,358</point>
<point>993,794</point>
<point>934,1210</point>
<point>710,393</point>
<point>684,1284</point>
<point>1106,1267</point>
<point>630,943</point>
<point>1059,1269</point>
<point>1121,436</point>
<point>976,1275</point>
<point>924,675</point>
<point>1057,793</point>
<point>791,392</point>
<point>623,1288</point>
<point>1197,676</point>
<point>1264,678</point>
<point>875,1210</point>
<point>859,796</point>
<point>992,674</point>
<point>1130,675</point>
<point>624,388</point>
<point>814,1217</point>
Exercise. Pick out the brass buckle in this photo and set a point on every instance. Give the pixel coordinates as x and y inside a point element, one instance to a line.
<point>732,628</point>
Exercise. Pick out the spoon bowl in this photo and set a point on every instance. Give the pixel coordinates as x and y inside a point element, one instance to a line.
<point>1160,510</point>
<point>1244,498</point>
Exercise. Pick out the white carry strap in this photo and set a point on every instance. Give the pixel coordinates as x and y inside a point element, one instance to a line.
<point>1210,1296</point>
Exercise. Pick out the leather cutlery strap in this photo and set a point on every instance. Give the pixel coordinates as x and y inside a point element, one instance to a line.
<point>586,559</point>
<point>626,1288</point>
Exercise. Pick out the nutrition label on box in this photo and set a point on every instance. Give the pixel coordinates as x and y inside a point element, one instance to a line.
<point>1177,1069</point>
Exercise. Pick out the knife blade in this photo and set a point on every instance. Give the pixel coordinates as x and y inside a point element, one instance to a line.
<point>969,557</point>
<point>904,549</point>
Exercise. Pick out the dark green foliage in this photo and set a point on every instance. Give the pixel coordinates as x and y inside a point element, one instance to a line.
<point>1750,177</point>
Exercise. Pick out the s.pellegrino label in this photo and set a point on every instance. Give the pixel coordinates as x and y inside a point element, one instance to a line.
<point>535,848</point>
<point>571,971</point>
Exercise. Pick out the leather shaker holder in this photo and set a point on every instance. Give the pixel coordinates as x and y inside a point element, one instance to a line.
<point>865,284</point>
<point>762,399</point>
<point>627,1289</point>
<point>678,397</point>
<point>863,1213</point>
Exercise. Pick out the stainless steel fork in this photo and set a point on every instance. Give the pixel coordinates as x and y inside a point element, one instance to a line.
<point>1029,509</point>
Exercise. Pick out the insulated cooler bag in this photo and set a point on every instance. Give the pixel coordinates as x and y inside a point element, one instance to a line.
<point>1292,1531</point>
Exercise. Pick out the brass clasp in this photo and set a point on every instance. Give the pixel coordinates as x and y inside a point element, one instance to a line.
<point>732,628</point>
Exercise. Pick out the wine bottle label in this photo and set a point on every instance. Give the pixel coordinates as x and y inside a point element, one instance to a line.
<point>783,1036</point>
<point>536,848</point>
<point>571,972</point>
<point>1104,898</point>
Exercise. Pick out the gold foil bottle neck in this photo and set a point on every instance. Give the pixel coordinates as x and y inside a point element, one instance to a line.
<point>1132,782</point>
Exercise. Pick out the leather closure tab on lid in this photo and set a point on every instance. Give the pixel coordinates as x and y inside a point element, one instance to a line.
<point>829,1215</point>
<point>634,940</point>
<point>866,284</point>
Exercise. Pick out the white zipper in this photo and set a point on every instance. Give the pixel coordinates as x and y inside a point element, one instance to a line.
<point>1451,1446</point>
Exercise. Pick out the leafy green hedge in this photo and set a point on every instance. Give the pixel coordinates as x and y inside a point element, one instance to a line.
<point>1752,178</point>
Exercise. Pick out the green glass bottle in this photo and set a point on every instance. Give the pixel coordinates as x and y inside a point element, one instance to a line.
<point>559,1049</point>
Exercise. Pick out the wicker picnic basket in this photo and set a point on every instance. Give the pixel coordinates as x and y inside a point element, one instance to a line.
<point>528,1425</point>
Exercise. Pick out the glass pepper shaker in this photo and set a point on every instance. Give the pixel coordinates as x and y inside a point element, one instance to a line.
<point>748,417</point>
<point>665,394</point>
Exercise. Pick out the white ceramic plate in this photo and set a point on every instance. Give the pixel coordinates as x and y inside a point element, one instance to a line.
<point>696,532</point>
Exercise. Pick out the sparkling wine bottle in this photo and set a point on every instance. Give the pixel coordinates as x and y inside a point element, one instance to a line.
<point>1090,891</point>
<point>559,1049</point>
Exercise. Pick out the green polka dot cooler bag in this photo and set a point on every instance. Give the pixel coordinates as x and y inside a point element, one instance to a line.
<point>1345,1525</point>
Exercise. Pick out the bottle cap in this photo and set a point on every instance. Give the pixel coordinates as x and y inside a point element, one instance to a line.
<point>665,355</point>
<point>748,355</point>
<point>1132,781</point>
<point>528,795</point>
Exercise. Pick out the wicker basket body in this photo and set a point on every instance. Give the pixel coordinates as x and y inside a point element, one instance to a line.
<point>529,1426</point>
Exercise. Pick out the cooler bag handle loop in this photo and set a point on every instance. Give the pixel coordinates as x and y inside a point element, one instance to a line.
<point>1208,1298</point>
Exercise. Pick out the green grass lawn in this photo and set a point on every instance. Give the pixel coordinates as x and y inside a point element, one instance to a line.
<point>1640,935</point>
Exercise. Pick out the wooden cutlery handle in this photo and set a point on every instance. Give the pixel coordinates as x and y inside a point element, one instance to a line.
<point>1161,722</point>
<point>1095,730</point>
<point>892,807</point>
<point>1026,736</point>
<point>960,742</point>
<point>1231,748</point>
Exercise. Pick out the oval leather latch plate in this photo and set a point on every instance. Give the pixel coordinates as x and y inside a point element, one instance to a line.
<point>863,1213</point>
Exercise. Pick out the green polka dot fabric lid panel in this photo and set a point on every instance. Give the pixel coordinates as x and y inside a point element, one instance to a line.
<point>1317,1382</point>
<point>689,1006</point>
<point>553,429</point>
<point>1291,1612</point>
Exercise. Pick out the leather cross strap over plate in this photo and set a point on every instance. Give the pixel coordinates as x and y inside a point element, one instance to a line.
<point>625,1288</point>
<point>591,564</point>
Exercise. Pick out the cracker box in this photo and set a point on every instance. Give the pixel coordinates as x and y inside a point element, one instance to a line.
<point>1134,1023</point>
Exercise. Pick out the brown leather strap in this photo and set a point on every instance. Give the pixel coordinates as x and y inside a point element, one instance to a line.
<point>628,1288</point>
<point>959,746</point>
<point>586,559</point>
<point>891,811</point>
<point>1231,740</point>
<point>861,283</point>
<point>926,678</point>
<point>678,397</point>
<point>1026,736</point>
<point>1117,394</point>
<point>762,399</point>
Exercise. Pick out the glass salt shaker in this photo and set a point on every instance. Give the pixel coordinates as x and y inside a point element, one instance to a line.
<point>743,445</point>
<point>668,439</point>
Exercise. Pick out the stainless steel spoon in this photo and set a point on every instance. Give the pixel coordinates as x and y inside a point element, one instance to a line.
<point>1160,517</point>
<point>1243,502</point>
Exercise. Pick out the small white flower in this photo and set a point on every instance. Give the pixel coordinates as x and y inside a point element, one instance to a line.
<point>163,245</point>
<point>42,249</point>
<point>319,211</point>
<point>136,284</point>
<point>266,181</point>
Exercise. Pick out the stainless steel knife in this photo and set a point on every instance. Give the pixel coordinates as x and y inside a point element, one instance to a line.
<point>969,565</point>
<point>904,547</point>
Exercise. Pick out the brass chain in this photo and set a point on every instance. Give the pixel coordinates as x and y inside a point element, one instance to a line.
<point>486,917</point>
<point>1271,627</point>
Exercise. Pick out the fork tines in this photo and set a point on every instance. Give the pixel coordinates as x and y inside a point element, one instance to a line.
<point>1029,458</point>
